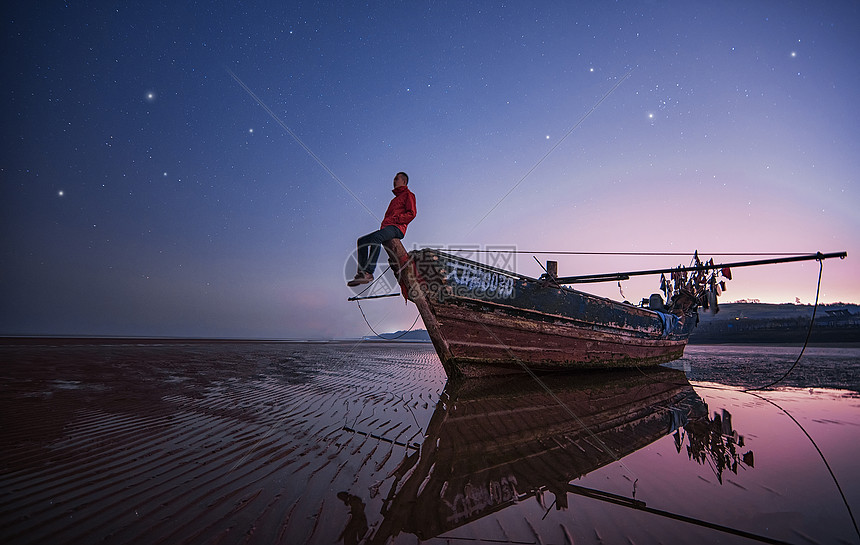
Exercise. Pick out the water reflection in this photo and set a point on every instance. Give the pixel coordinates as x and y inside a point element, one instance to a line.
<point>715,443</point>
<point>356,527</point>
<point>494,442</point>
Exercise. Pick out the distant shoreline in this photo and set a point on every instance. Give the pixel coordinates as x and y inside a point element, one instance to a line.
<point>70,340</point>
<point>154,341</point>
<point>785,324</point>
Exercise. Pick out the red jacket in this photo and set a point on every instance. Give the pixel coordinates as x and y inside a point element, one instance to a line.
<point>401,209</point>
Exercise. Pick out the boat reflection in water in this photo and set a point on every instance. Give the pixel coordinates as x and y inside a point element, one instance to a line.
<point>494,442</point>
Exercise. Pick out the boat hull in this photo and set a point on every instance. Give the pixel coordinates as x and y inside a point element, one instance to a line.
<point>490,339</point>
<point>487,321</point>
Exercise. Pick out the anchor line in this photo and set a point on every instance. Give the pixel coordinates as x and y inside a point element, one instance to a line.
<point>821,454</point>
<point>502,250</point>
<point>806,341</point>
<point>358,298</point>
<point>358,302</point>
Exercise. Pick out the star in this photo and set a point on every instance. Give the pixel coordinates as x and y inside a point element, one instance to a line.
<point>150,96</point>
<point>60,193</point>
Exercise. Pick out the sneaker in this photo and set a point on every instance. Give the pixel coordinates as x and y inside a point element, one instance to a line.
<point>360,278</point>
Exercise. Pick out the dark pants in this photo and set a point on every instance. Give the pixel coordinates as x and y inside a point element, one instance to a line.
<point>368,246</point>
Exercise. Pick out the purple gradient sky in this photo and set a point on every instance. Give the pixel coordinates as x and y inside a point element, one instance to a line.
<point>145,192</point>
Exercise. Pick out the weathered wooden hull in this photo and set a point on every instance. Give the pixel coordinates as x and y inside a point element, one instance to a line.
<point>486,321</point>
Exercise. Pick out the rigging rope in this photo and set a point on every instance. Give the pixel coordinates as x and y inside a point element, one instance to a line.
<point>374,281</point>
<point>380,336</point>
<point>365,317</point>
<point>563,252</point>
<point>808,334</point>
<point>821,454</point>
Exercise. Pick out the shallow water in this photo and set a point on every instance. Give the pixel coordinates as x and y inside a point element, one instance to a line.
<point>753,366</point>
<point>327,443</point>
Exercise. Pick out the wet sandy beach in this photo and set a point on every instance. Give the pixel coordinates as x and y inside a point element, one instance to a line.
<point>201,443</point>
<point>341,442</point>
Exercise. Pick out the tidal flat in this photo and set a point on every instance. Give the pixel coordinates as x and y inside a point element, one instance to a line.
<point>357,442</point>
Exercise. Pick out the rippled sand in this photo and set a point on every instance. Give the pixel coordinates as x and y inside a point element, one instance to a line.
<point>202,443</point>
<point>329,443</point>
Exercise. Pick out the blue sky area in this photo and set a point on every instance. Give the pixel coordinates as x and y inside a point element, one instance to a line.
<point>145,191</point>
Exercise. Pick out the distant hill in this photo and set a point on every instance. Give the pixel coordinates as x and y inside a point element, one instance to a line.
<point>778,323</point>
<point>415,335</point>
<point>758,311</point>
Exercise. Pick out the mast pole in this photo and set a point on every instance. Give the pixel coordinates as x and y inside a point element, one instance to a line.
<point>611,277</point>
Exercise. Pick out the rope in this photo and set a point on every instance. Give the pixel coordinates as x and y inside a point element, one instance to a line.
<point>380,336</point>
<point>823,459</point>
<point>808,334</point>
<point>562,252</point>
<point>365,317</point>
<point>374,282</point>
<point>799,425</point>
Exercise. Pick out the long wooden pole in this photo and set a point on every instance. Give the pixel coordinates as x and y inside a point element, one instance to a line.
<point>610,277</point>
<point>640,506</point>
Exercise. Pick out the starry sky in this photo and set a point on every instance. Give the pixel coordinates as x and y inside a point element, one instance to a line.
<point>203,169</point>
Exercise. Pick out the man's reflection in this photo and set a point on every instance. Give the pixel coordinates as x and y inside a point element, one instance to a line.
<point>356,528</point>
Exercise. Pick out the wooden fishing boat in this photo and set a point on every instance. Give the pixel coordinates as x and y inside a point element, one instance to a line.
<point>497,441</point>
<point>484,320</point>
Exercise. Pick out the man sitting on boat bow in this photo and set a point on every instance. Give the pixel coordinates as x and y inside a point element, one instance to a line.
<point>401,210</point>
